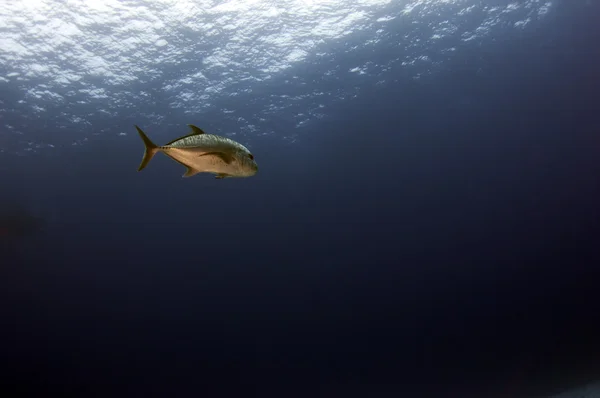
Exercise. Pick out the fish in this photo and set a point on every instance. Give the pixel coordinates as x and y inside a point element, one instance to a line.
<point>203,153</point>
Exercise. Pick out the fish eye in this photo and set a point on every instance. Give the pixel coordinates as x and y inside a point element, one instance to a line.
<point>251,156</point>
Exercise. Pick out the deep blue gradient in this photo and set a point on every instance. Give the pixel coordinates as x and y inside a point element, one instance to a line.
<point>407,245</point>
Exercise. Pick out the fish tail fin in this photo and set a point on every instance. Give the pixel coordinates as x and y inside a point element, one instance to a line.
<point>150,150</point>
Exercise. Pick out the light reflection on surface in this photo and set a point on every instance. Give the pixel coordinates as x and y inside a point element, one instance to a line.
<point>65,63</point>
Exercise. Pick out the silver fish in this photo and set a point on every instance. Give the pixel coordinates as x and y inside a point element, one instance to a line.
<point>204,153</point>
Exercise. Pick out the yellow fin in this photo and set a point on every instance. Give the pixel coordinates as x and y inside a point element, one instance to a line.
<point>149,151</point>
<point>180,138</point>
<point>196,130</point>
<point>190,172</point>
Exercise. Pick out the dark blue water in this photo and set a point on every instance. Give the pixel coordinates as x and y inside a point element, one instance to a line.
<point>435,237</point>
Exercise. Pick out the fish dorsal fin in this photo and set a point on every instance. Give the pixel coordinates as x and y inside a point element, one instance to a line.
<point>195,131</point>
<point>178,139</point>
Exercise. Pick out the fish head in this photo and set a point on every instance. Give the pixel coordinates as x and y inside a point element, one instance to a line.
<point>247,164</point>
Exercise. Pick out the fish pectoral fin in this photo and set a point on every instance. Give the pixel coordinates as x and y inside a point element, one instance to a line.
<point>227,158</point>
<point>220,176</point>
<point>190,172</point>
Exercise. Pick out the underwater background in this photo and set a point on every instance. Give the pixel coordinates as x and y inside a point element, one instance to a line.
<point>424,221</point>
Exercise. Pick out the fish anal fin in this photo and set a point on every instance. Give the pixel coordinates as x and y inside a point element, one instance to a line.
<point>190,172</point>
<point>220,176</point>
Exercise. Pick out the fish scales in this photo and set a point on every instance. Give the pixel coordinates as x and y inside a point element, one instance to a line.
<point>207,140</point>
